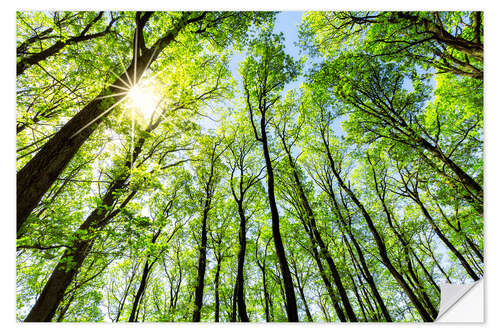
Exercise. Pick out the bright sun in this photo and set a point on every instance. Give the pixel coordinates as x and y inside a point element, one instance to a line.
<point>143,100</point>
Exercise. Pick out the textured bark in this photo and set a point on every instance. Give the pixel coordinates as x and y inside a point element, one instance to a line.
<point>202,264</point>
<point>72,259</point>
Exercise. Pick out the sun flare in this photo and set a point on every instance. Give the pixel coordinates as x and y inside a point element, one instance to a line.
<point>143,100</point>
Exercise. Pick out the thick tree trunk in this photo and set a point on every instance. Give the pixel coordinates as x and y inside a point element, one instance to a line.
<point>72,259</point>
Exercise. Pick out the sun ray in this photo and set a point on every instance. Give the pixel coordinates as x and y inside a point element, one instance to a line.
<point>98,117</point>
<point>118,87</point>
<point>131,84</point>
<point>119,78</point>
<point>112,95</point>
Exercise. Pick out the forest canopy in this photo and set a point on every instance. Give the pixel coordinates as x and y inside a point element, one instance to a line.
<point>247,166</point>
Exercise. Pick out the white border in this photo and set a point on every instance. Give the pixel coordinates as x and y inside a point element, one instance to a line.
<point>492,167</point>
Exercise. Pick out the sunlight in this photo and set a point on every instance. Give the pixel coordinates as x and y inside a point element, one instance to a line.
<point>143,100</point>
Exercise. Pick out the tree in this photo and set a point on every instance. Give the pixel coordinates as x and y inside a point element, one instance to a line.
<point>265,72</point>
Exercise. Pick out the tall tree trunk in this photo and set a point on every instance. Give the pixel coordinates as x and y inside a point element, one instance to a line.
<point>365,270</point>
<point>291,303</point>
<point>72,259</point>
<point>140,292</point>
<point>303,297</point>
<point>317,236</point>
<point>217,297</point>
<point>267,299</point>
<point>239,293</point>
<point>202,263</point>
<point>444,239</point>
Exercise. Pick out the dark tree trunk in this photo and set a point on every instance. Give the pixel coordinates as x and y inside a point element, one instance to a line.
<point>446,241</point>
<point>317,239</point>
<point>140,292</point>
<point>303,297</point>
<point>239,293</point>
<point>72,259</point>
<point>202,263</point>
<point>217,297</point>
<point>202,259</point>
<point>328,285</point>
<point>291,303</point>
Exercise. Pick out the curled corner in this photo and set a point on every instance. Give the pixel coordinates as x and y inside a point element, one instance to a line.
<point>461,303</point>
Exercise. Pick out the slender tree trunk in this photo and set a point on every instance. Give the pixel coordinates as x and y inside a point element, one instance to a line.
<point>267,300</point>
<point>202,263</point>
<point>365,270</point>
<point>140,292</point>
<point>360,302</point>
<point>319,240</point>
<point>445,240</point>
<point>239,293</point>
<point>303,297</point>
<point>465,179</point>
<point>61,315</point>
<point>291,302</point>
<point>124,298</point>
<point>328,285</point>
<point>217,297</point>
